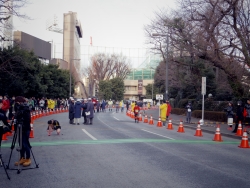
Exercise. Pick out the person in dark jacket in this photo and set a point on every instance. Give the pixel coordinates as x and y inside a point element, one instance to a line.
<point>11,109</point>
<point>97,106</point>
<point>239,116</point>
<point>189,112</point>
<point>23,117</point>
<point>84,108</point>
<point>71,111</point>
<point>90,111</point>
<point>247,114</point>
<point>230,115</point>
<point>78,110</point>
<point>58,103</point>
<point>103,106</point>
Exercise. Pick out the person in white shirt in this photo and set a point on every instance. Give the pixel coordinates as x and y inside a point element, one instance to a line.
<point>41,104</point>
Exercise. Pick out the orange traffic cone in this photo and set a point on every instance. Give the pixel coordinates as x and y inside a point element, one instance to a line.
<point>146,119</point>
<point>244,142</point>
<point>151,121</point>
<point>132,115</point>
<point>140,117</point>
<point>181,128</point>
<point>32,131</point>
<point>239,130</point>
<point>170,125</point>
<point>12,127</point>
<point>217,136</point>
<point>159,123</point>
<point>198,130</point>
<point>4,137</point>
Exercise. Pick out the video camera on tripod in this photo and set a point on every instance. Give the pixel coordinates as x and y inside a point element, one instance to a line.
<point>21,122</point>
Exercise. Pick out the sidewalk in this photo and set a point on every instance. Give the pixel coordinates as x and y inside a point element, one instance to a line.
<point>209,127</point>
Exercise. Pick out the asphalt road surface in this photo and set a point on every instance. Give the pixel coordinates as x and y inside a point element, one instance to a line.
<point>116,152</point>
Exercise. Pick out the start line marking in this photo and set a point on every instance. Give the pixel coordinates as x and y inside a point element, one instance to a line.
<point>157,134</point>
<point>87,133</point>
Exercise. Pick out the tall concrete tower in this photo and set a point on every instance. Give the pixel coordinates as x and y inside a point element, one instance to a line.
<point>72,32</point>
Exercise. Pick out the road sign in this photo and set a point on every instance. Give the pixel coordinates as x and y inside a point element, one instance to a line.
<point>203,86</point>
<point>159,97</point>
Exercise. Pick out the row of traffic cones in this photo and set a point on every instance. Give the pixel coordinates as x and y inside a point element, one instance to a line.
<point>217,136</point>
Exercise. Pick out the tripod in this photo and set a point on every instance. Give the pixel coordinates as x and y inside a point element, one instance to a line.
<point>18,135</point>
<point>1,161</point>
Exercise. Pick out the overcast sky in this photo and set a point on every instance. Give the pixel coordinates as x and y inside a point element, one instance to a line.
<point>111,23</point>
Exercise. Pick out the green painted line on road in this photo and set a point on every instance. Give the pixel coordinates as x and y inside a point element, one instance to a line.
<point>122,141</point>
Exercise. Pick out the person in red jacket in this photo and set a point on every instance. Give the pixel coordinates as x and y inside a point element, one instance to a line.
<point>136,112</point>
<point>6,105</point>
<point>168,109</point>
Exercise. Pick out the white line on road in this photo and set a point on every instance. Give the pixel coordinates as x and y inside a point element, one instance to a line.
<point>116,118</point>
<point>86,132</point>
<point>157,134</point>
<point>107,124</point>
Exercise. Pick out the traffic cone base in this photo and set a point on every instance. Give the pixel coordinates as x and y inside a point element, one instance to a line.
<point>4,137</point>
<point>159,123</point>
<point>244,142</point>
<point>181,128</point>
<point>140,117</point>
<point>170,125</point>
<point>151,121</point>
<point>31,131</point>
<point>198,130</point>
<point>239,130</point>
<point>146,119</point>
<point>217,136</point>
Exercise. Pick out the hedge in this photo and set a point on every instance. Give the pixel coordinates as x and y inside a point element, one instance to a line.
<point>208,115</point>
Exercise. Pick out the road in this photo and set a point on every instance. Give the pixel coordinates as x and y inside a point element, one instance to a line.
<point>115,152</point>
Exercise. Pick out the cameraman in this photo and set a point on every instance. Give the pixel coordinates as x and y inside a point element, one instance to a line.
<point>23,118</point>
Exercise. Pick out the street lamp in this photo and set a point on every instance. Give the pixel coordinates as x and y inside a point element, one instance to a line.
<point>152,84</point>
<point>166,59</point>
<point>71,75</point>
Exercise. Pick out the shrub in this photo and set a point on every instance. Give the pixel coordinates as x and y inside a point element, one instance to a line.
<point>208,115</point>
<point>178,111</point>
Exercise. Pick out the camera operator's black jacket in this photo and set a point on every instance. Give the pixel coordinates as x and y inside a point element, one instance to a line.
<point>23,116</point>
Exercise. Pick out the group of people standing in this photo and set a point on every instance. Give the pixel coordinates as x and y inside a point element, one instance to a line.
<point>78,109</point>
<point>241,114</point>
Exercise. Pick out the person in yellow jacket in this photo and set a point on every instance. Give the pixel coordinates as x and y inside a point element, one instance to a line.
<point>51,104</point>
<point>163,109</point>
<point>148,105</point>
<point>132,106</point>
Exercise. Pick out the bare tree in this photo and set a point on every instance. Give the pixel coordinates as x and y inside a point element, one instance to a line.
<point>106,67</point>
<point>10,8</point>
<point>213,30</point>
